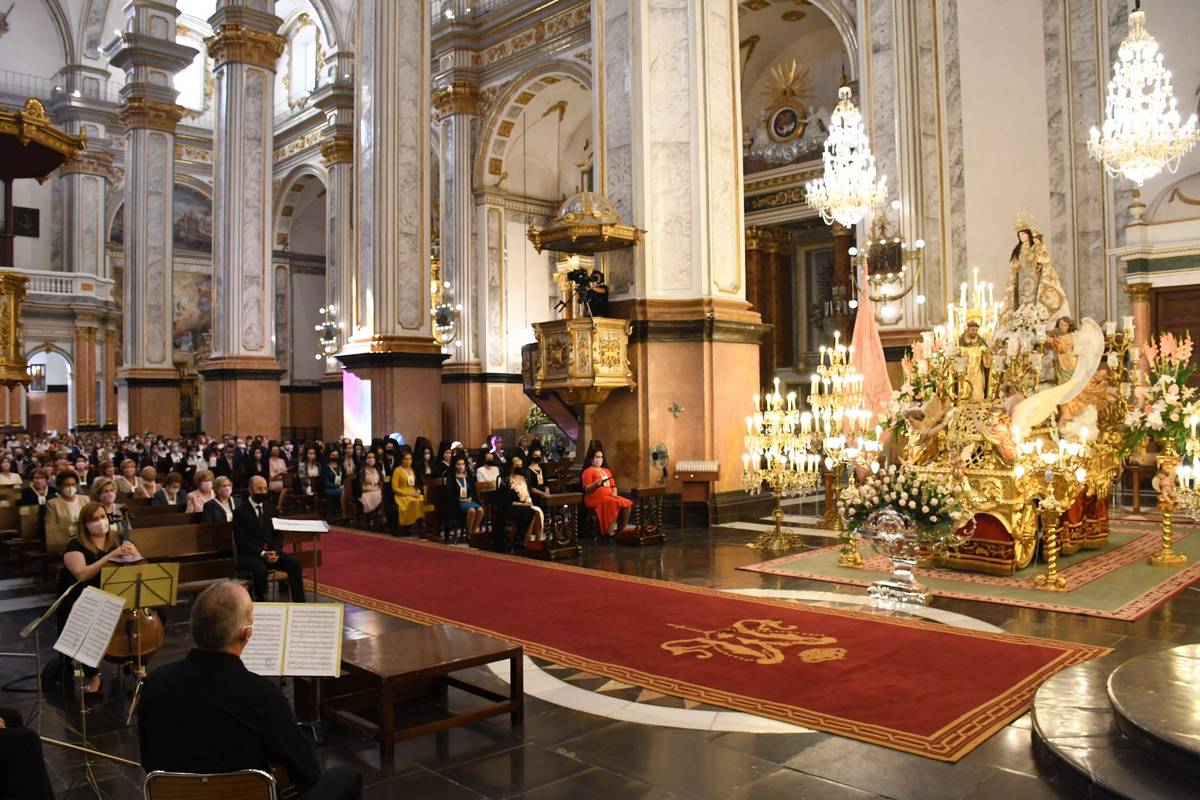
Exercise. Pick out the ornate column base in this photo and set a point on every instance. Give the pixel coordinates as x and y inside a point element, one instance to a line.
<point>148,400</point>
<point>241,396</point>
<point>393,391</point>
<point>332,423</point>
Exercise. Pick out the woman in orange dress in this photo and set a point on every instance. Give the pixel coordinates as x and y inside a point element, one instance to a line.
<point>600,495</point>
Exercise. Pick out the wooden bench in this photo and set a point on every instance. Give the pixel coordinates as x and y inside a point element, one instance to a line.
<point>646,520</point>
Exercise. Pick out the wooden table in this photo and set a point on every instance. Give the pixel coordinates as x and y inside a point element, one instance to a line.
<point>402,664</point>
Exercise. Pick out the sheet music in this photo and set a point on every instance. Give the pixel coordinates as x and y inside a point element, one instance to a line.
<point>296,639</point>
<point>314,640</point>
<point>90,626</point>
<point>264,652</point>
<point>301,525</point>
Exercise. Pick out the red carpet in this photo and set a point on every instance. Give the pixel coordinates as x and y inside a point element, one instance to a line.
<point>919,687</point>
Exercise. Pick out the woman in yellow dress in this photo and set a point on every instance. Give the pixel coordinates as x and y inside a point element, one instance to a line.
<point>410,501</point>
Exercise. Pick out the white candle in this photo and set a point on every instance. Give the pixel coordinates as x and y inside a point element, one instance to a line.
<point>962,293</point>
<point>1110,327</point>
<point>1127,324</point>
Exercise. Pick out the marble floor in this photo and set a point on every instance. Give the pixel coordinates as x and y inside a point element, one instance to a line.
<point>587,738</point>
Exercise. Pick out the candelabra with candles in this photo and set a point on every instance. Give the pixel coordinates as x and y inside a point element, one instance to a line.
<point>777,440</point>
<point>1056,475</point>
<point>444,313</point>
<point>328,332</point>
<point>1121,363</point>
<point>976,302</point>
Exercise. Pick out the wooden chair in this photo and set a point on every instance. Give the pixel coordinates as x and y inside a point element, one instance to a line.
<point>249,784</point>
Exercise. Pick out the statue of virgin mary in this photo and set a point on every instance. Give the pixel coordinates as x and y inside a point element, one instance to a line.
<point>1034,290</point>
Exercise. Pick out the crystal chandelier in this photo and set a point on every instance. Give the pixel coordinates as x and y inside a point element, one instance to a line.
<point>1142,131</point>
<point>848,190</point>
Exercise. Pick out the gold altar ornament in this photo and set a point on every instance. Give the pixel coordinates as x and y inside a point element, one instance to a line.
<point>13,290</point>
<point>30,146</point>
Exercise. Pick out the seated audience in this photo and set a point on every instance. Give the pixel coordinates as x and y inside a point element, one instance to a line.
<point>148,486</point>
<point>107,470</point>
<point>600,495</point>
<point>258,547</point>
<point>39,491</point>
<point>127,480</point>
<point>202,493</point>
<point>406,490</point>
<point>488,474</point>
<point>370,489</point>
<point>462,497</point>
<point>171,493</point>
<point>514,503</point>
<point>7,476</point>
<point>63,511</point>
<point>308,473</point>
<point>208,713</point>
<point>277,468</point>
<point>333,481</point>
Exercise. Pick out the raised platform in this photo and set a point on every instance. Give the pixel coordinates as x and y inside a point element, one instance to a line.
<point>1123,730</point>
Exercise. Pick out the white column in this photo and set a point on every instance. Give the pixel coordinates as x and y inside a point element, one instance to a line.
<point>147,52</point>
<point>244,49</point>
<point>458,104</point>
<point>669,144</point>
<point>391,310</point>
<point>336,100</point>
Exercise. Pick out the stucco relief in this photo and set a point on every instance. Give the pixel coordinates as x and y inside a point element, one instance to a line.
<point>672,217</point>
<point>253,201</point>
<point>723,215</point>
<point>156,235</point>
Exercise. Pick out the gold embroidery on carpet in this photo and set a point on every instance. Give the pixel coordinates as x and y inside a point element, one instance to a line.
<point>761,641</point>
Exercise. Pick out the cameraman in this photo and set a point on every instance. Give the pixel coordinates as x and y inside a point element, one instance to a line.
<point>597,295</point>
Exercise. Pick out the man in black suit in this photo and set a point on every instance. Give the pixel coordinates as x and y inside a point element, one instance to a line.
<point>259,547</point>
<point>208,713</point>
<point>229,465</point>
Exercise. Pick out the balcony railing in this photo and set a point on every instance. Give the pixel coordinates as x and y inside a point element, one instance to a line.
<point>68,284</point>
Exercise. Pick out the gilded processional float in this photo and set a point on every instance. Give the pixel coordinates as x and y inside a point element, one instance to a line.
<point>1019,409</point>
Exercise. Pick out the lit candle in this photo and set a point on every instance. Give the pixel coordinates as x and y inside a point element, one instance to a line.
<point>1110,327</point>
<point>1127,325</point>
<point>962,294</point>
<point>749,424</point>
<point>757,403</point>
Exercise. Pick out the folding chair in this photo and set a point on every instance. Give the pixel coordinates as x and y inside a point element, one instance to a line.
<point>249,784</point>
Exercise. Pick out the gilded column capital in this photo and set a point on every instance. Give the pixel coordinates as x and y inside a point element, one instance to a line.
<point>237,42</point>
<point>1138,292</point>
<point>768,240</point>
<point>142,112</point>
<point>338,149</point>
<point>456,97</point>
<point>89,162</point>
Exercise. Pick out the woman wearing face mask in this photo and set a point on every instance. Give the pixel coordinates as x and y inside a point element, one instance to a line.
<point>309,473</point>
<point>63,511</point>
<point>333,483</point>
<point>257,465</point>
<point>535,476</point>
<point>516,502</point>
<point>94,546</point>
<point>127,480</point>
<point>406,491</point>
<point>148,486</point>
<point>170,494</point>
<point>371,484</point>
<point>221,507</point>
<point>105,493</point>
<point>488,475</point>
<point>276,468</point>
<point>600,495</point>
<point>7,476</point>
<point>462,496</point>
<point>203,493</point>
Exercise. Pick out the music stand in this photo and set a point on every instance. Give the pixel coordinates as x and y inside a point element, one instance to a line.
<point>142,586</point>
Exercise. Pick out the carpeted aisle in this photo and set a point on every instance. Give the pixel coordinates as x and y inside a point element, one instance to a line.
<point>913,686</point>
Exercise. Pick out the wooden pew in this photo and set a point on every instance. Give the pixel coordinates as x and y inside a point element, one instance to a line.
<point>646,521</point>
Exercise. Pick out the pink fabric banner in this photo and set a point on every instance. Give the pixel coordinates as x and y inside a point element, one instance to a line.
<point>868,356</point>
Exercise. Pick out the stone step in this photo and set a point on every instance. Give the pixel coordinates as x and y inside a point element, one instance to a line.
<point>1075,734</point>
<point>1156,704</point>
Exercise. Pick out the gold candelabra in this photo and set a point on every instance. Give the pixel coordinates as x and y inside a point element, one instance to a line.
<point>1056,475</point>
<point>777,440</point>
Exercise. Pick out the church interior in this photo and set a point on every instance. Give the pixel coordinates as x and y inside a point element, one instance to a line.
<point>599,398</point>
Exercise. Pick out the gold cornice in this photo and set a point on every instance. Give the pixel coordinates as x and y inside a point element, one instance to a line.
<point>237,42</point>
<point>89,162</point>
<point>1138,292</point>
<point>337,149</point>
<point>30,124</point>
<point>768,240</point>
<point>141,112</point>
<point>456,97</point>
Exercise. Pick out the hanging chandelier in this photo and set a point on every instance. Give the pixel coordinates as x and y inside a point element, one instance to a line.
<point>848,190</point>
<point>1142,131</point>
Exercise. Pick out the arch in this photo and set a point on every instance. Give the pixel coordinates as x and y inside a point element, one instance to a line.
<point>199,184</point>
<point>512,101</point>
<point>50,347</point>
<point>294,182</point>
<point>847,28</point>
<point>1176,203</point>
<point>328,20</point>
<point>91,27</point>
<point>63,24</point>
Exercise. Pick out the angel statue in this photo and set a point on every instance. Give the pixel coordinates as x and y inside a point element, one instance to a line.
<point>1034,291</point>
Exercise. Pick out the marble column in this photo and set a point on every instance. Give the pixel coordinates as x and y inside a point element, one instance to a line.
<point>86,413</point>
<point>110,371</point>
<point>465,388</point>
<point>148,384</point>
<point>336,100</point>
<point>667,113</point>
<point>1143,319</point>
<point>85,195</point>
<point>241,377</point>
<point>392,358</point>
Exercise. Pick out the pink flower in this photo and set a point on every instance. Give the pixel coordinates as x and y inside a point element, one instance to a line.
<point>1166,344</point>
<point>1184,352</point>
<point>1151,352</point>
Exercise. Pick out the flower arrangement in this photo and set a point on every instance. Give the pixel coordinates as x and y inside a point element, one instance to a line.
<point>1031,318</point>
<point>1161,408</point>
<point>928,503</point>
